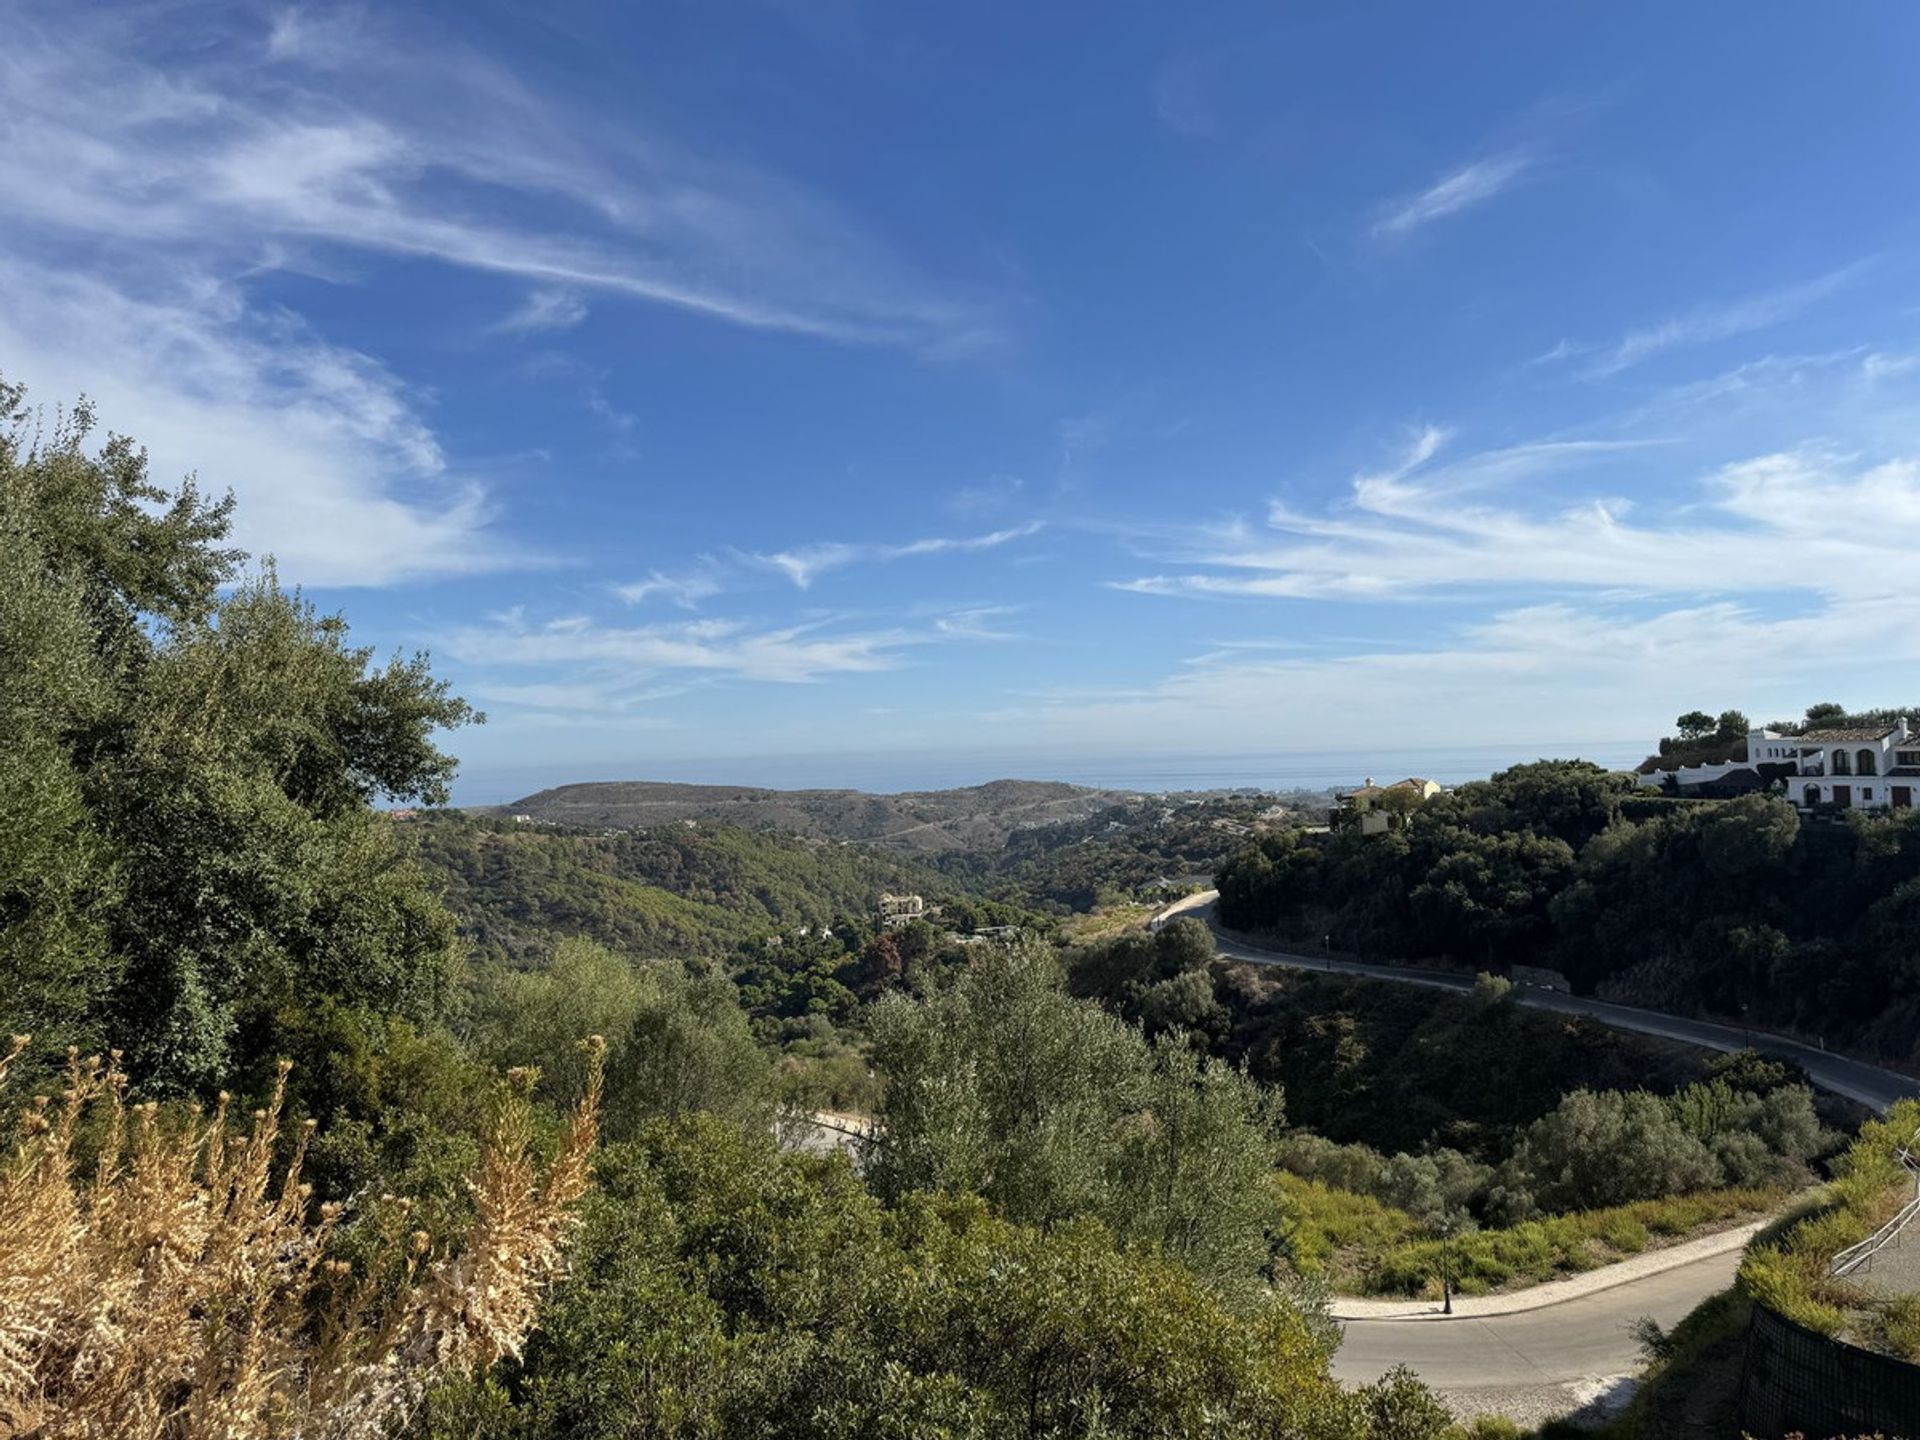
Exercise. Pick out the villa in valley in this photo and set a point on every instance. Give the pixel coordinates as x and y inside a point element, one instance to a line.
<point>899,911</point>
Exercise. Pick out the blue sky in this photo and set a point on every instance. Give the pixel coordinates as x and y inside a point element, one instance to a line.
<point>820,377</point>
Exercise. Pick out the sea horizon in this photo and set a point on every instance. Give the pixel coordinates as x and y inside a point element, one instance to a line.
<point>1162,773</point>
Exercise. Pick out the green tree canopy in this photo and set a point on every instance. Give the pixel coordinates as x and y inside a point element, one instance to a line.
<point>676,1043</point>
<point>721,1289</point>
<point>1008,1087</point>
<point>1694,725</point>
<point>187,848</point>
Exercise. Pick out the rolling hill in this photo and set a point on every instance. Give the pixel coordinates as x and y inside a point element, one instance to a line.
<point>922,823</point>
<point>675,889</point>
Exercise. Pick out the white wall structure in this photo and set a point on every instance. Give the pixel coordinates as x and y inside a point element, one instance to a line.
<point>1857,769</point>
<point>1844,769</point>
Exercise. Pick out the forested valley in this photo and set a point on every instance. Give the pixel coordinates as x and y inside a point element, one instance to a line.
<point>452,1127</point>
<point>1736,908</point>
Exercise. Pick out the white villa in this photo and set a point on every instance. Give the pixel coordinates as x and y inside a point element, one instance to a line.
<point>899,911</point>
<point>1374,805</point>
<point>1854,769</point>
<point>1872,769</point>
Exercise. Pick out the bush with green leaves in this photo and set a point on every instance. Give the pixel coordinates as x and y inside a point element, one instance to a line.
<point>189,857</point>
<point>1609,1147</point>
<point>1791,1271</point>
<point>1599,1148</point>
<point>719,1288</point>
<point>1006,1086</point>
<point>677,1041</point>
<point>1729,908</point>
<point>1362,1245</point>
<point>1401,1067</point>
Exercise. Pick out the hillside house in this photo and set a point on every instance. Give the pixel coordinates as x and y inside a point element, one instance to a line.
<point>1845,769</point>
<point>1856,769</point>
<point>1375,808</point>
<point>899,911</point>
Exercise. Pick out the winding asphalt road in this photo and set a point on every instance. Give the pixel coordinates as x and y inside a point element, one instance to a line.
<point>1544,1362</point>
<point>1855,1079</point>
<point>1550,1360</point>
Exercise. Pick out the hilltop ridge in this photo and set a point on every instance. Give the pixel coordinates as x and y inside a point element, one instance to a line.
<point>916,822</point>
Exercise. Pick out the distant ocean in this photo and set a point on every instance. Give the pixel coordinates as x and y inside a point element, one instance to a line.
<point>882,772</point>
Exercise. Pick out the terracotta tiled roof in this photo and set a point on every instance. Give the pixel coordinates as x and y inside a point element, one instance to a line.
<point>1831,737</point>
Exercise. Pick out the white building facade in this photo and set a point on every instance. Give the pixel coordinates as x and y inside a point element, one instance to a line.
<point>1855,769</point>
<point>1839,769</point>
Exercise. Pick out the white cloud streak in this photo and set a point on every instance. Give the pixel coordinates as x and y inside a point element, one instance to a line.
<point>807,563</point>
<point>516,651</point>
<point>1531,602</point>
<point>185,128</point>
<point>545,310</point>
<point>1452,194</point>
<point>160,160</point>
<point>685,589</point>
<point>338,475</point>
<point>1702,325</point>
<point>1808,521</point>
<point>1553,674</point>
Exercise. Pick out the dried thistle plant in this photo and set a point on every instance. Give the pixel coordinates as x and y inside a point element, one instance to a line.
<point>184,1291</point>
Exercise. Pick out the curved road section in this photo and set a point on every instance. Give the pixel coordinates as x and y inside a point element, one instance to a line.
<point>1855,1079</point>
<point>1539,1364</point>
<point>1580,1353</point>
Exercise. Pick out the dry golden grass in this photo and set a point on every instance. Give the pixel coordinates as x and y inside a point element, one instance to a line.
<point>183,1289</point>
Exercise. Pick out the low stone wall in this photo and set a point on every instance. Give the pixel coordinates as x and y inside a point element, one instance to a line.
<point>1797,1381</point>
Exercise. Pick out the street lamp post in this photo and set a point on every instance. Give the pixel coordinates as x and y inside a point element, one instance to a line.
<point>1446,1265</point>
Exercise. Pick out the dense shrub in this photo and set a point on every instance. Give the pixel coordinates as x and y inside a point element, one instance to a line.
<point>1403,1068</point>
<point>1790,1273</point>
<point>720,1288</point>
<point>1008,1087</point>
<point>676,1042</point>
<point>1609,1147</point>
<point>1730,907</point>
<point>1364,1245</point>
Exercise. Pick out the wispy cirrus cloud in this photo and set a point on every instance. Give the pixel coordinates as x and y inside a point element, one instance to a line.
<point>1780,521</point>
<point>1180,99</point>
<point>1703,324</point>
<point>1554,674</point>
<point>1452,194</point>
<point>609,659</point>
<point>685,588</point>
<point>198,128</point>
<point>1515,519</point>
<point>163,161</point>
<point>545,309</point>
<point>807,563</point>
<point>343,480</point>
<point>1526,599</point>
